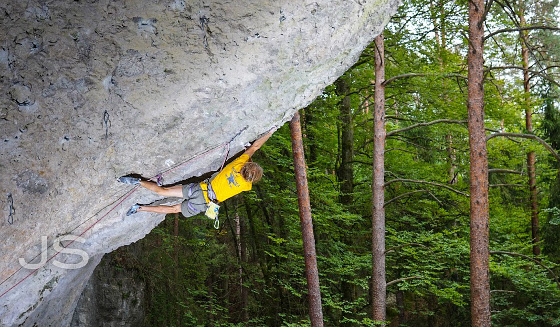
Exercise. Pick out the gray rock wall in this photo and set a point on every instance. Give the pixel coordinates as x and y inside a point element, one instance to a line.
<point>112,297</point>
<point>95,89</point>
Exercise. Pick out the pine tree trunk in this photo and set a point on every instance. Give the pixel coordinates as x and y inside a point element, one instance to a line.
<point>479,216</point>
<point>210,286</point>
<point>439,32</point>
<point>311,139</point>
<point>239,268</point>
<point>346,170</point>
<point>315,308</point>
<point>242,255</point>
<point>379,284</point>
<point>176,269</point>
<point>452,176</point>
<point>401,308</point>
<point>244,291</point>
<point>529,126</point>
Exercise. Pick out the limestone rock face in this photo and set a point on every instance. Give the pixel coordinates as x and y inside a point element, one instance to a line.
<point>95,89</point>
<point>111,297</point>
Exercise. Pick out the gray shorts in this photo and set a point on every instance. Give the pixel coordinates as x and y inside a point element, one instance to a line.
<point>194,202</point>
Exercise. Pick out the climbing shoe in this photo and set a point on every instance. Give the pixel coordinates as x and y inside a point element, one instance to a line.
<point>133,210</point>
<point>129,180</point>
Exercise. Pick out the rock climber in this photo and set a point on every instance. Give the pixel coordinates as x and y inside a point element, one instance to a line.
<point>236,177</point>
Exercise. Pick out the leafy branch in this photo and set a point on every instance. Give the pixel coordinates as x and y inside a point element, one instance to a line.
<point>403,245</point>
<point>514,254</point>
<point>410,193</point>
<point>402,280</point>
<point>507,185</point>
<point>527,136</point>
<point>437,121</point>
<point>535,73</point>
<point>519,29</point>
<point>394,78</point>
<point>504,171</point>
<point>403,180</point>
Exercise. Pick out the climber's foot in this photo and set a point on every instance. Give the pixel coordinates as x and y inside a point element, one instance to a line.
<point>129,180</point>
<point>133,210</point>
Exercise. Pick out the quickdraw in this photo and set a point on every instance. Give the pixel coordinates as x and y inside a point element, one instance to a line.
<point>106,123</point>
<point>11,208</point>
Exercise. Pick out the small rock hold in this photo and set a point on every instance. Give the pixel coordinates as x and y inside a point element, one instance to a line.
<point>179,5</point>
<point>31,182</point>
<point>40,12</point>
<point>130,65</point>
<point>49,91</point>
<point>21,95</point>
<point>146,24</point>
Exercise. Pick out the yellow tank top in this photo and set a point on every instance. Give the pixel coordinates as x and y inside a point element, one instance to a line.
<point>229,181</point>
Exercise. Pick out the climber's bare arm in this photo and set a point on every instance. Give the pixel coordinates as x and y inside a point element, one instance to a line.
<point>258,143</point>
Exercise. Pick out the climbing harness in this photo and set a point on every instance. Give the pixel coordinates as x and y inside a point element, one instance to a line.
<point>12,211</point>
<point>213,208</point>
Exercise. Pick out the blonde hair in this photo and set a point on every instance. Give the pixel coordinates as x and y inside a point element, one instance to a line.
<point>252,172</point>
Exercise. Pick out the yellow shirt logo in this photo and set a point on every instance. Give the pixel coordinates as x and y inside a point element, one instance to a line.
<point>229,181</point>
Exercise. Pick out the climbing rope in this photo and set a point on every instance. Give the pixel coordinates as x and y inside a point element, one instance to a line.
<point>225,157</point>
<point>71,231</point>
<point>119,202</point>
<point>65,246</point>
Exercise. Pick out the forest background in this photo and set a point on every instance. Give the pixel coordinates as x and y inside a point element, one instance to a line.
<point>250,272</point>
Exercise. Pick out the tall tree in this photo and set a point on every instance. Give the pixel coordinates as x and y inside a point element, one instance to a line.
<point>311,271</point>
<point>378,281</point>
<point>529,126</point>
<point>551,126</point>
<point>438,17</point>
<point>479,211</point>
<point>345,171</point>
<point>176,263</point>
<point>242,258</point>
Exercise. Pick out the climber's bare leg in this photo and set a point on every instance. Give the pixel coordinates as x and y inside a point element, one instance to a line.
<point>161,209</point>
<point>172,191</point>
